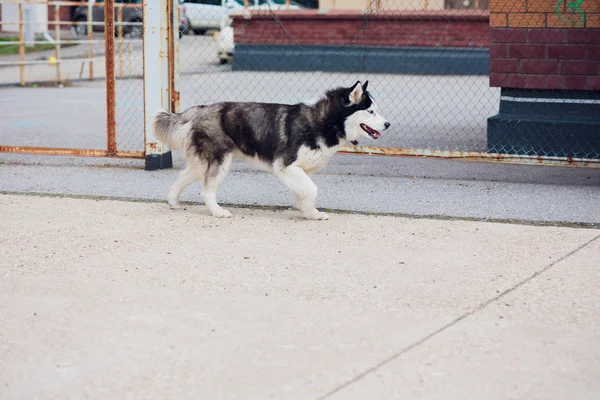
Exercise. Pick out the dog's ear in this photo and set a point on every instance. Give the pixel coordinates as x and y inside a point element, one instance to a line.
<point>356,93</point>
<point>364,87</point>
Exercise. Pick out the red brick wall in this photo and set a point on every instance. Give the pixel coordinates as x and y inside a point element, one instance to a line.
<point>533,45</point>
<point>545,59</point>
<point>64,15</point>
<point>394,28</point>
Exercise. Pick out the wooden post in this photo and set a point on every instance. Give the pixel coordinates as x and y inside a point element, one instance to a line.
<point>90,34</point>
<point>57,38</point>
<point>120,33</point>
<point>21,46</point>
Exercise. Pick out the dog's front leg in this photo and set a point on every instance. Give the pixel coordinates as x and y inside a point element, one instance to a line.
<point>304,188</point>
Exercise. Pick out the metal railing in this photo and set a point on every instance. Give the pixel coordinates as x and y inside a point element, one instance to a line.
<point>23,23</point>
<point>124,130</point>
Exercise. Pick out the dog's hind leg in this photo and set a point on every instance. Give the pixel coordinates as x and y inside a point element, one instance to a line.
<point>188,176</point>
<point>304,189</point>
<point>214,176</point>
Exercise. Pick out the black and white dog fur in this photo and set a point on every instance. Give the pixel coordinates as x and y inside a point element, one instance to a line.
<point>292,141</point>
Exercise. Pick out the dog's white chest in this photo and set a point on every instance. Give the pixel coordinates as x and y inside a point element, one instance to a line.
<point>315,159</point>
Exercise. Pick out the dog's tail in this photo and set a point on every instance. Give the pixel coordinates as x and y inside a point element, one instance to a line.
<point>171,129</point>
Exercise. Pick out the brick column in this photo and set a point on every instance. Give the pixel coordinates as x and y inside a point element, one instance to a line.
<point>541,49</point>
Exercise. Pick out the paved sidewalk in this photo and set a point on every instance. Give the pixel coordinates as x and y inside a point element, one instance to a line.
<point>122,300</point>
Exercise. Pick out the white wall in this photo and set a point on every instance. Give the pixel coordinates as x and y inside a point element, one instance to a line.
<point>38,13</point>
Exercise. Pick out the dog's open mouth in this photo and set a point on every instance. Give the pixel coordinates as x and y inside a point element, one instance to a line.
<point>372,132</point>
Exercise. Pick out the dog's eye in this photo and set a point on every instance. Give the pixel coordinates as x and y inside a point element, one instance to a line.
<point>371,112</point>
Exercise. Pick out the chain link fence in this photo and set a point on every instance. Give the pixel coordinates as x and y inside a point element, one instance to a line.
<point>57,52</point>
<point>129,73</point>
<point>427,62</point>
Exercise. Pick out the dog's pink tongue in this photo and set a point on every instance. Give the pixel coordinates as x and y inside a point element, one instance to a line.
<point>376,134</point>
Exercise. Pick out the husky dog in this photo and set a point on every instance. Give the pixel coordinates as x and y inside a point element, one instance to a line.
<point>292,141</point>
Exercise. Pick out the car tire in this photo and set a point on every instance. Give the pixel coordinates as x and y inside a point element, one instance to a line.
<point>80,30</point>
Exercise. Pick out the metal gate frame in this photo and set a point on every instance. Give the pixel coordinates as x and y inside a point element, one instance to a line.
<point>111,123</point>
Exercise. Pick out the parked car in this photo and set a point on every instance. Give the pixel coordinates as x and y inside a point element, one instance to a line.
<point>132,16</point>
<point>184,24</point>
<point>207,15</point>
<point>271,5</point>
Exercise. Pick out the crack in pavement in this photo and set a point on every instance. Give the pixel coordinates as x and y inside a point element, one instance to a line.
<point>450,324</point>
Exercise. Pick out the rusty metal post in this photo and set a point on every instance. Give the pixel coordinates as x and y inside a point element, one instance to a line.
<point>109,40</point>
<point>174,71</point>
<point>21,46</point>
<point>157,15</point>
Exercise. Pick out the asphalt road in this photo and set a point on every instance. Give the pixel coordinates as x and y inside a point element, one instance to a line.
<point>422,187</point>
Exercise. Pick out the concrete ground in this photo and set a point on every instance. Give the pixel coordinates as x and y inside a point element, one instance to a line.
<point>130,300</point>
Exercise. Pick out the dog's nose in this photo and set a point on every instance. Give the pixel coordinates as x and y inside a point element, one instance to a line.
<point>387,125</point>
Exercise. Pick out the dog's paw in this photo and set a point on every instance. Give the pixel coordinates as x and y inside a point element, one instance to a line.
<point>174,204</point>
<point>316,215</point>
<point>222,213</point>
